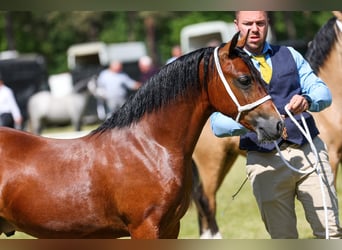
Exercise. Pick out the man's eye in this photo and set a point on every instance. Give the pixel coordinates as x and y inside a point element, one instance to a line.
<point>261,24</point>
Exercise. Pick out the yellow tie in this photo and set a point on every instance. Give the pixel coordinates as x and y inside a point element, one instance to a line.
<point>265,69</point>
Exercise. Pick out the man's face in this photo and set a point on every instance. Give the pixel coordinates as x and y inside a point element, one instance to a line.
<point>257,23</point>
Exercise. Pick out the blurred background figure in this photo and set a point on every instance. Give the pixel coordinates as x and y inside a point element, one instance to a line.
<point>113,87</point>
<point>176,52</point>
<point>147,68</point>
<point>213,43</point>
<point>10,115</point>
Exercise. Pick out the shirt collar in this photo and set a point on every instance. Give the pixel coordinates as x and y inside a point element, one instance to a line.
<point>266,50</point>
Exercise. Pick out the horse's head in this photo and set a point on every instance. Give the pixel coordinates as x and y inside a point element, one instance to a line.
<point>239,92</point>
<point>338,15</point>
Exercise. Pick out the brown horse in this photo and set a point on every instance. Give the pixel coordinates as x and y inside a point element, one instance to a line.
<point>213,157</point>
<point>132,175</point>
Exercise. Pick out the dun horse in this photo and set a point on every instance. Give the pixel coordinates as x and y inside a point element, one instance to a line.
<point>132,175</point>
<point>213,157</point>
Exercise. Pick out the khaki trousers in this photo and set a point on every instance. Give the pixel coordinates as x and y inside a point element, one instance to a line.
<point>275,187</point>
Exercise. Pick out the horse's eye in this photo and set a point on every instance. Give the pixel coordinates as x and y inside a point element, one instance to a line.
<point>245,80</point>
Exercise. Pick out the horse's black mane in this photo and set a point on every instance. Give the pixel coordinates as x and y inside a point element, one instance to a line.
<point>171,81</point>
<point>319,48</point>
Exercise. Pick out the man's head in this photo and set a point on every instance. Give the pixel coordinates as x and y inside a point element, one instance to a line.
<point>115,66</point>
<point>257,23</point>
<point>176,51</point>
<point>145,63</point>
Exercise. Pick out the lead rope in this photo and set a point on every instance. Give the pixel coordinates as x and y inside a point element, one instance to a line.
<point>307,135</point>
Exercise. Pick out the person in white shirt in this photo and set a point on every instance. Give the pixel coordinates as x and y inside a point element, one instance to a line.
<point>10,115</point>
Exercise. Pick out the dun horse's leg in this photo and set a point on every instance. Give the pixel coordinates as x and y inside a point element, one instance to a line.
<point>334,162</point>
<point>197,194</point>
<point>208,227</point>
<point>212,175</point>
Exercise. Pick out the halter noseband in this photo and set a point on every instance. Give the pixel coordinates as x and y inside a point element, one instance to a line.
<point>230,92</point>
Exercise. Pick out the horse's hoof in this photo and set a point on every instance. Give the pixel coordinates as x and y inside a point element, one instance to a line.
<point>208,235</point>
<point>8,234</point>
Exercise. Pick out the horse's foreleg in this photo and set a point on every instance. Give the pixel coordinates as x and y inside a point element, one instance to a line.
<point>6,228</point>
<point>172,233</point>
<point>150,230</point>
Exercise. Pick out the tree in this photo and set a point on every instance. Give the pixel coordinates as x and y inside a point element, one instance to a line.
<point>51,33</point>
<point>9,31</point>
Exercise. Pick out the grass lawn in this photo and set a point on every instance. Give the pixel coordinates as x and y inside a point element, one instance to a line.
<point>238,218</point>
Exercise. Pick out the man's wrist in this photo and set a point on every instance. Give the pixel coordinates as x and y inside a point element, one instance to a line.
<point>308,99</point>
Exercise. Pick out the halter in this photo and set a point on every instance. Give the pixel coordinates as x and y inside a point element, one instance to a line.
<point>230,92</point>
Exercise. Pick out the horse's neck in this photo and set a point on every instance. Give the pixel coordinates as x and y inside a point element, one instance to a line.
<point>178,125</point>
<point>331,71</point>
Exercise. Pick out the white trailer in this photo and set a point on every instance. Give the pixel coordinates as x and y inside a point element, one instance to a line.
<point>203,34</point>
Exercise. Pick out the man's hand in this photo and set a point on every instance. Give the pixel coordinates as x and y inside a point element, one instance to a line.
<point>298,104</point>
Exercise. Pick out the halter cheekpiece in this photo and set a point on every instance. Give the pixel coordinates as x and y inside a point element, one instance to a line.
<point>230,92</point>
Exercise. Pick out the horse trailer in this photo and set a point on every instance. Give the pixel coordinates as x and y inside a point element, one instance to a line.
<point>206,34</point>
<point>25,74</point>
<point>88,59</point>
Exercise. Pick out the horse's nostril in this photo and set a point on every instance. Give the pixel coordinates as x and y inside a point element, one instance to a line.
<point>280,126</point>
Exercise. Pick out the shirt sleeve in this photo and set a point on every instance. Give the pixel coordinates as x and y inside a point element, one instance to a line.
<point>101,79</point>
<point>128,81</point>
<point>223,126</point>
<point>12,103</point>
<point>312,86</point>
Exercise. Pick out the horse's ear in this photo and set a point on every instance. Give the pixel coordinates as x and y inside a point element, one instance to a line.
<point>338,14</point>
<point>233,43</point>
<point>241,43</point>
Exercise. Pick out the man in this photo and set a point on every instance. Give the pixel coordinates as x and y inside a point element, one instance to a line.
<point>10,115</point>
<point>147,68</point>
<point>113,86</point>
<point>176,52</point>
<point>289,80</point>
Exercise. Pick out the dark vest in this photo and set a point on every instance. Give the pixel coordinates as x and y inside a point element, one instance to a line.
<point>283,86</point>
